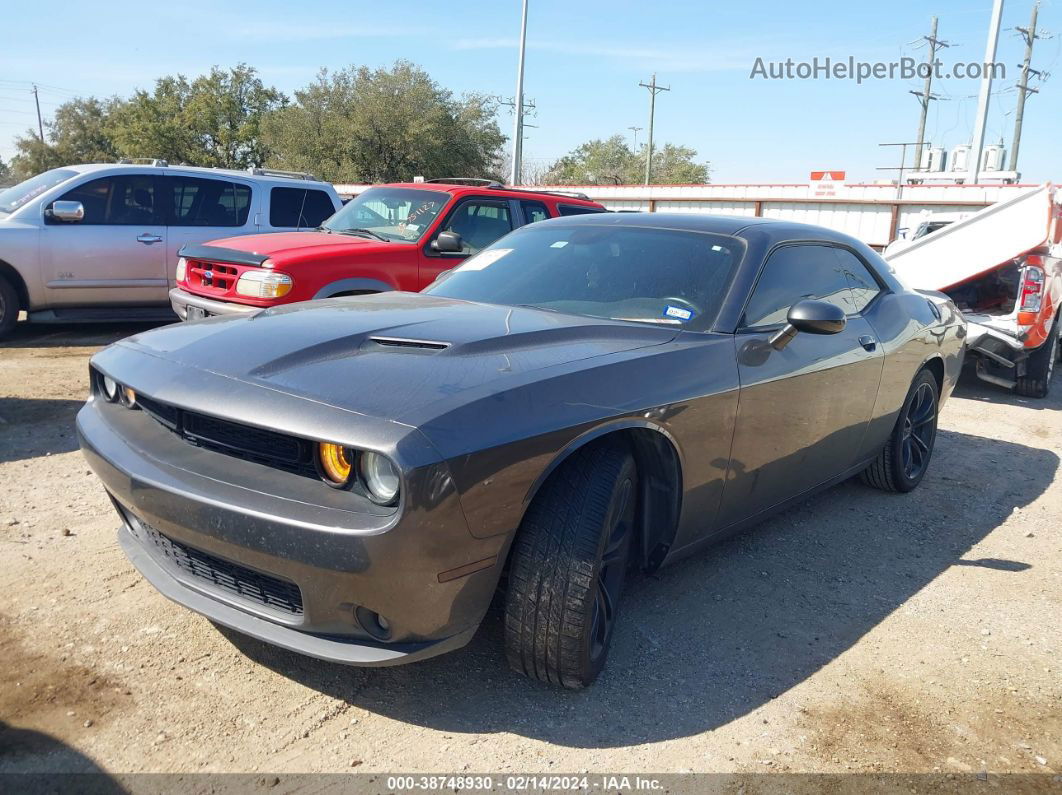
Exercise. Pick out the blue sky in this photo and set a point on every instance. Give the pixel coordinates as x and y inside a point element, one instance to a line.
<point>584,62</point>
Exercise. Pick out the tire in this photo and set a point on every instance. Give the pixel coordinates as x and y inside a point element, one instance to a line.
<point>1039,368</point>
<point>568,566</point>
<point>9,307</point>
<point>903,461</point>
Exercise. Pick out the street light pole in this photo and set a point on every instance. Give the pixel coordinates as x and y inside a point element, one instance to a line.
<point>518,124</point>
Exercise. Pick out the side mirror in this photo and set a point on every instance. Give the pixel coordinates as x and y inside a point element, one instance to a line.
<point>811,317</point>
<point>902,232</point>
<point>67,212</point>
<point>447,243</point>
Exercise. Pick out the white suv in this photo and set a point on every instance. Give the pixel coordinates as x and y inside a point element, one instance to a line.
<point>100,242</point>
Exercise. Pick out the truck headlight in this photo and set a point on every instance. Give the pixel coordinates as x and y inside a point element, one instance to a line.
<point>380,476</point>
<point>264,284</point>
<point>182,269</point>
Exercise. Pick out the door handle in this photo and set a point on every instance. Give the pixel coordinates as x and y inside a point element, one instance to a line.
<point>147,238</point>
<point>868,342</point>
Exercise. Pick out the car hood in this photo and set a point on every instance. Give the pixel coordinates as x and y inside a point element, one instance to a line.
<point>283,244</point>
<point>393,355</point>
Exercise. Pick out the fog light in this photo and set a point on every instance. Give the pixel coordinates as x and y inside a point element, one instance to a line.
<point>373,623</point>
<point>264,284</point>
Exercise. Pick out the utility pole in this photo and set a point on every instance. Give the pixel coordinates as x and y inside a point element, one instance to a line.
<point>978,142</point>
<point>40,124</point>
<point>925,96</point>
<point>518,124</point>
<point>654,89</point>
<point>635,131</point>
<point>1023,85</point>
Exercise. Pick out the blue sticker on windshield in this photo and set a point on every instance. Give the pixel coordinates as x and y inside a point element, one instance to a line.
<point>678,312</point>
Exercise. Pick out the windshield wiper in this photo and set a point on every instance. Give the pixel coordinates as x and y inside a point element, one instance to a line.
<point>362,232</point>
<point>323,229</point>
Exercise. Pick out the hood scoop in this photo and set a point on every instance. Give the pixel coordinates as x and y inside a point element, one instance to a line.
<point>405,344</point>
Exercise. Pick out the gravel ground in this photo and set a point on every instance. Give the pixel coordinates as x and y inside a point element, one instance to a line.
<point>858,631</point>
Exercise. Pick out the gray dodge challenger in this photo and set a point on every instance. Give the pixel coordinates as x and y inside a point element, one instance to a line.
<point>356,478</point>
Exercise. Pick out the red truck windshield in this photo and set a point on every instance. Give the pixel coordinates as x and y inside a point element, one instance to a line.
<point>400,215</point>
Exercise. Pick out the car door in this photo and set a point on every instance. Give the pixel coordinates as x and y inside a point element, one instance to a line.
<point>116,253</point>
<point>479,220</point>
<point>201,209</point>
<point>802,410</point>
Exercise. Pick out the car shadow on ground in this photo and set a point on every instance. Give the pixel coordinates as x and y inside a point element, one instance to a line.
<point>716,636</point>
<point>69,335</point>
<point>32,427</point>
<point>29,760</point>
<point>970,387</point>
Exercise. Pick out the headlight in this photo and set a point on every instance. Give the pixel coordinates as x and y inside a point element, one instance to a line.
<point>110,388</point>
<point>182,267</point>
<point>380,477</point>
<point>264,284</point>
<point>334,462</point>
<point>129,397</point>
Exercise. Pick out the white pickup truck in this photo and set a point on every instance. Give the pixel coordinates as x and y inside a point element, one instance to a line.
<point>1002,267</point>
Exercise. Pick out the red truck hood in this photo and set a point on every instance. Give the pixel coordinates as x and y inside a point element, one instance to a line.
<point>289,245</point>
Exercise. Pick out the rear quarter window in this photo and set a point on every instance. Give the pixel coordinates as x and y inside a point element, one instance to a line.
<point>577,209</point>
<point>300,207</point>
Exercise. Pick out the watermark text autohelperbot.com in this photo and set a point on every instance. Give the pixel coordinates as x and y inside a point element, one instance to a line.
<point>850,69</point>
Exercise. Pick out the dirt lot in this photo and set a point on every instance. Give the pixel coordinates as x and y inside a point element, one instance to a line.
<point>857,632</point>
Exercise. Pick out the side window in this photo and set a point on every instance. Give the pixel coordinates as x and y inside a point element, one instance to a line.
<point>317,207</point>
<point>299,207</point>
<point>121,200</point>
<point>208,202</point>
<point>863,285</point>
<point>534,211</point>
<point>795,273</point>
<point>576,209</point>
<point>480,223</point>
<point>285,206</point>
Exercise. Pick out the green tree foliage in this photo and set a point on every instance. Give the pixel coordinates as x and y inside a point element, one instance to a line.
<point>79,132</point>
<point>361,125</point>
<point>214,120</point>
<point>5,174</point>
<point>612,162</point>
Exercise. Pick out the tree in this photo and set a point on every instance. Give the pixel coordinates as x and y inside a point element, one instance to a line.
<point>611,162</point>
<point>360,125</point>
<point>215,120</point>
<point>79,132</point>
<point>5,174</point>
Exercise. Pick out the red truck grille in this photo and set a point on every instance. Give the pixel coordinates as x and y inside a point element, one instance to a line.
<point>211,278</point>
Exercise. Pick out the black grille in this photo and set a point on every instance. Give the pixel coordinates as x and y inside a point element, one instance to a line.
<point>278,450</point>
<point>251,586</point>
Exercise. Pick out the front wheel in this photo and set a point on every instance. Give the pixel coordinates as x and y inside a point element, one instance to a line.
<point>9,307</point>
<point>568,566</point>
<point>903,461</point>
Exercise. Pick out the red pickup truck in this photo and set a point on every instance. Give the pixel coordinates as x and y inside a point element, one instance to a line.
<point>391,237</point>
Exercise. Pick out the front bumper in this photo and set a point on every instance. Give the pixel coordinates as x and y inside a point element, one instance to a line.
<point>181,300</point>
<point>413,566</point>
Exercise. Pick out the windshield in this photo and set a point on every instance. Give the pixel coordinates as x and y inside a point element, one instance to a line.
<point>400,215</point>
<point>661,276</point>
<point>14,197</point>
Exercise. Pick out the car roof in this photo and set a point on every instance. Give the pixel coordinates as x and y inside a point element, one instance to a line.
<point>495,188</point>
<point>266,176</point>
<point>718,224</point>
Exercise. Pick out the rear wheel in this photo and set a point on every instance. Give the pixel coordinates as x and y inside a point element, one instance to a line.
<point>1039,368</point>
<point>902,463</point>
<point>9,307</point>
<point>568,567</point>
